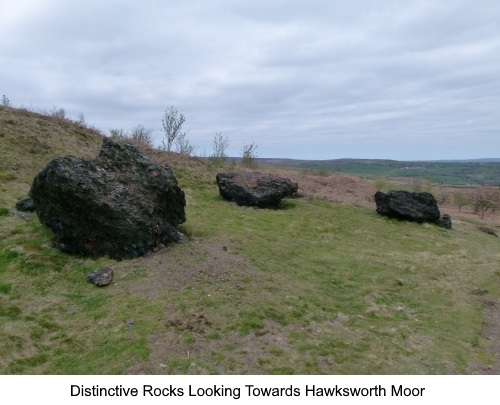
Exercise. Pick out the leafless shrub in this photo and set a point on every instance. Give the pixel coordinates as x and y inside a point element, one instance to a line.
<point>118,133</point>
<point>442,197</point>
<point>5,101</point>
<point>460,199</point>
<point>141,134</point>
<point>248,155</point>
<point>59,113</point>
<point>184,147</point>
<point>220,146</point>
<point>172,126</point>
<point>485,199</point>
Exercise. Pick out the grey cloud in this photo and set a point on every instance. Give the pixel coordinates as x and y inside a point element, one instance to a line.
<point>319,79</point>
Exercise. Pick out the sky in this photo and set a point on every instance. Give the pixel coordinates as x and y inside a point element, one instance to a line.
<point>313,79</point>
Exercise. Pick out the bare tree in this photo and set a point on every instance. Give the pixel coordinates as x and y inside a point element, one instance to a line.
<point>419,185</point>
<point>5,101</point>
<point>184,147</point>
<point>172,125</point>
<point>486,199</point>
<point>141,134</point>
<point>58,113</point>
<point>460,199</point>
<point>81,120</point>
<point>249,154</point>
<point>220,146</point>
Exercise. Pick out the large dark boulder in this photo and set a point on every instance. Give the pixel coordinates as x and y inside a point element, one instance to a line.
<point>120,204</point>
<point>255,189</point>
<point>418,207</point>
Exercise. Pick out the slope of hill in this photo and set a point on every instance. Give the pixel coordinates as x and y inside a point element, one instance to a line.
<point>322,285</point>
<point>30,140</point>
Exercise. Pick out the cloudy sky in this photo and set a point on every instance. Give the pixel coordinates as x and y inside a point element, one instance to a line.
<point>313,79</point>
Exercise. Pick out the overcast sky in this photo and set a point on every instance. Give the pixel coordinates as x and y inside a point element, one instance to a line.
<point>313,79</point>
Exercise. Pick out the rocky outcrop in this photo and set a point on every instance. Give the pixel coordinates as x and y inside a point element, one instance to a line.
<point>255,189</point>
<point>120,204</point>
<point>405,205</point>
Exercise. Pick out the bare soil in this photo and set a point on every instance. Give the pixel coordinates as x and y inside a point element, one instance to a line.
<point>491,332</point>
<point>167,274</point>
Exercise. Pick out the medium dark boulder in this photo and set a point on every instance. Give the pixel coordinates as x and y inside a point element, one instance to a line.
<point>255,189</point>
<point>120,204</point>
<point>418,207</point>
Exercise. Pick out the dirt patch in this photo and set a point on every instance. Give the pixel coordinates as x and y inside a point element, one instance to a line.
<point>491,335</point>
<point>194,339</point>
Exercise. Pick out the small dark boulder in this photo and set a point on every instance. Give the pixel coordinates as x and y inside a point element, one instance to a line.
<point>255,189</point>
<point>405,205</point>
<point>444,221</point>
<point>26,204</point>
<point>120,204</point>
<point>100,278</point>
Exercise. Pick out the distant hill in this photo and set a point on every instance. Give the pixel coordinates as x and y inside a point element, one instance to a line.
<point>459,172</point>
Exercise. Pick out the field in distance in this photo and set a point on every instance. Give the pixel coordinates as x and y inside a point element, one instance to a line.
<point>463,172</point>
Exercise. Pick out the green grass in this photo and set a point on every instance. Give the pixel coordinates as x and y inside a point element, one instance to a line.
<point>397,290</point>
<point>346,291</point>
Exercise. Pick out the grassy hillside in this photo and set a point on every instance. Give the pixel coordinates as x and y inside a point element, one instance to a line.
<point>318,286</point>
<point>30,140</point>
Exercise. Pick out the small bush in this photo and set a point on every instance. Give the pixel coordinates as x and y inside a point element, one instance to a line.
<point>220,146</point>
<point>143,135</point>
<point>118,134</point>
<point>59,113</point>
<point>6,101</point>
<point>248,155</point>
<point>460,199</point>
